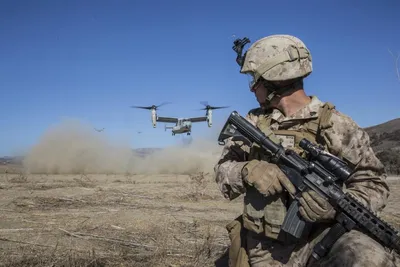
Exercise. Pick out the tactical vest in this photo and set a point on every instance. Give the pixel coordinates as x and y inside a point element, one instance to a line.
<point>266,214</point>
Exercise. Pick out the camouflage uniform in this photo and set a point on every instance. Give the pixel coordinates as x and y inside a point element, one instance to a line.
<point>343,138</point>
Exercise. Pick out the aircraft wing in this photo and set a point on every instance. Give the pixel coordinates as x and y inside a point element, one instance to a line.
<point>197,119</point>
<point>167,119</point>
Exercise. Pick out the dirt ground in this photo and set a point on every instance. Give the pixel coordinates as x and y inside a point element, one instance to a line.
<point>112,220</point>
<point>83,199</point>
<point>119,220</point>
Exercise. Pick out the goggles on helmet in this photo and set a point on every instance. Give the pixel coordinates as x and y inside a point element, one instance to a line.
<point>252,81</point>
<point>238,46</point>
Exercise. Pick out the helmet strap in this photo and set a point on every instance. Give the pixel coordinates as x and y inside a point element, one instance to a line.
<point>276,90</point>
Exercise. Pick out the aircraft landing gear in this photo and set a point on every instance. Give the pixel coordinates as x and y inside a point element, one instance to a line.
<point>173,134</point>
<point>188,134</point>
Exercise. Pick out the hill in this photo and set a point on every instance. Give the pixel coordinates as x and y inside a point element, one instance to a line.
<point>385,140</point>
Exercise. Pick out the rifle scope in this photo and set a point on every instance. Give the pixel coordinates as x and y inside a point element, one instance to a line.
<point>333,164</point>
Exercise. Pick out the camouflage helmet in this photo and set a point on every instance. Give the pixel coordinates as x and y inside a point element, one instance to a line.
<point>277,58</point>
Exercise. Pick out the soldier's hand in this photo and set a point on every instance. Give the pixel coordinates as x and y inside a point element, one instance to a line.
<point>267,178</point>
<point>315,208</point>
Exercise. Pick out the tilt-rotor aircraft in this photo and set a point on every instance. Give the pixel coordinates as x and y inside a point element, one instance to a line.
<point>182,125</point>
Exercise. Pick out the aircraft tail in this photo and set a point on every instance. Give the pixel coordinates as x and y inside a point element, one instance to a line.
<point>167,127</point>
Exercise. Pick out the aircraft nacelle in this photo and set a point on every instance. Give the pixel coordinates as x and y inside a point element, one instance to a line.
<point>209,117</point>
<point>154,117</point>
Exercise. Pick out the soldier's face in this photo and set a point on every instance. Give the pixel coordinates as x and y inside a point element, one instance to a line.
<point>260,92</point>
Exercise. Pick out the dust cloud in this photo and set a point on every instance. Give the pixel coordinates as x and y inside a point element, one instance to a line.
<point>74,147</point>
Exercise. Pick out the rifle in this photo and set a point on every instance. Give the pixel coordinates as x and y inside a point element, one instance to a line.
<point>323,173</point>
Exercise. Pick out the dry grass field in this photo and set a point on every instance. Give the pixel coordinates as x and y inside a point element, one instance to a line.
<point>79,201</point>
<point>119,220</point>
<point>112,220</point>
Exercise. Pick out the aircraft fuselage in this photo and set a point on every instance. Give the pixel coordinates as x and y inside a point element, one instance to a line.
<point>182,127</point>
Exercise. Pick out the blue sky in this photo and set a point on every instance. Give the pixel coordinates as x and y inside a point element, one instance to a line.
<point>91,60</point>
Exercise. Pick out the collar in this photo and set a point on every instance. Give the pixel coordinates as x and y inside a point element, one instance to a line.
<point>310,111</point>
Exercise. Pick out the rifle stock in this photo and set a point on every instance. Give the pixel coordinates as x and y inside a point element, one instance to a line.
<point>323,173</point>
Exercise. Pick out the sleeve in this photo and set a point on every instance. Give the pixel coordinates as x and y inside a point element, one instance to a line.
<point>367,183</point>
<point>228,170</point>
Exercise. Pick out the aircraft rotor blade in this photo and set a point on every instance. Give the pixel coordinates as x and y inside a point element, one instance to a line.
<point>218,107</point>
<point>207,106</point>
<point>162,104</point>
<point>204,103</point>
<point>152,106</point>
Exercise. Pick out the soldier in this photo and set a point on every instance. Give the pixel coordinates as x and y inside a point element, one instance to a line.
<point>276,66</point>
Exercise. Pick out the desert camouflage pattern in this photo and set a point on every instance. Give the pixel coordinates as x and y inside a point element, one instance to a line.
<point>368,184</point>
<point>277,58</point>
<point>352,249</point>
<point>345,139</point>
